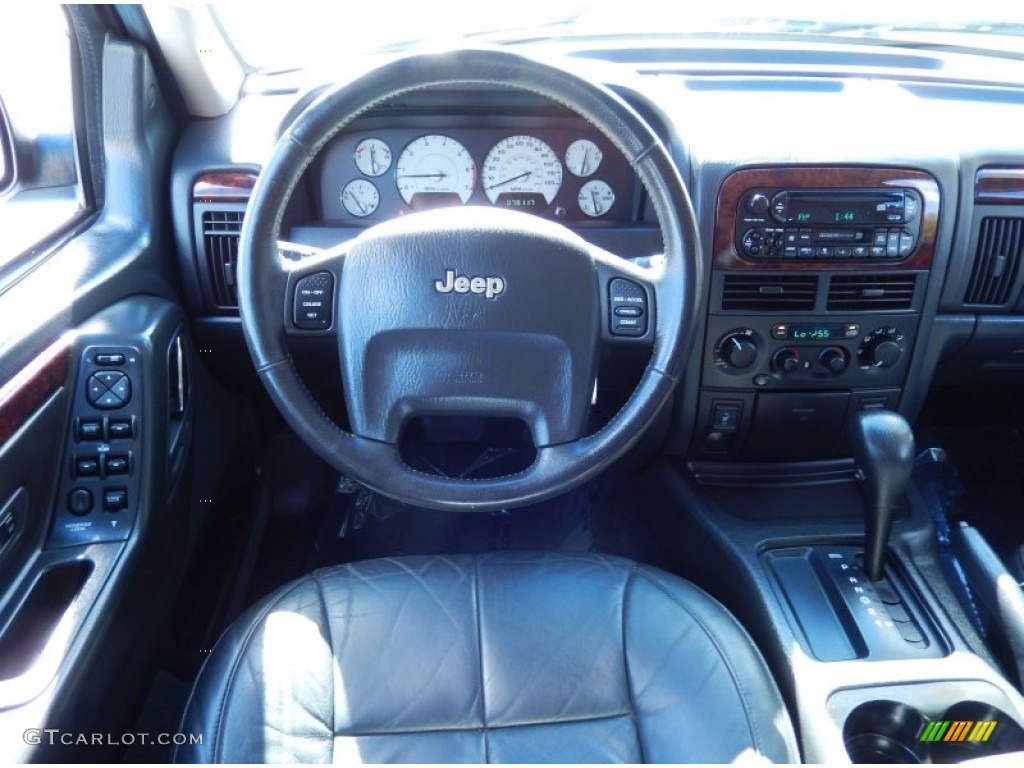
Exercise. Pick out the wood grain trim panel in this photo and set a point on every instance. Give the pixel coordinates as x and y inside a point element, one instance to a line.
<point>999,186</point>
<point>725,255</point>
<point>223,187</point>
<point>31,387</point>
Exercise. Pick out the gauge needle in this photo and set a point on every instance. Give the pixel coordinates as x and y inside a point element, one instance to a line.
<point>373,160</point>
<point>583,165</point>
<point>509,181</point>
<point>593,196</point>
<point>362,208</point>
<point>438,175</point>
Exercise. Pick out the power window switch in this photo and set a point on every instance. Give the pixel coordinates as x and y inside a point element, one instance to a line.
<point>117,464</point>
<point>115,499</point>
<point>119,429</point>
<point>90,429</point>
<point>86,466</point>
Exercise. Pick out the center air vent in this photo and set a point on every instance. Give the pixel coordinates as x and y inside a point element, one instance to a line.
<point>1000,241</point>
<point>221,230</point>
<point>791,293</point>
<point>871,293</point>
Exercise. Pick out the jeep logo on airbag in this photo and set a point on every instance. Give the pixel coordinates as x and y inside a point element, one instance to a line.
<point>490,287</point>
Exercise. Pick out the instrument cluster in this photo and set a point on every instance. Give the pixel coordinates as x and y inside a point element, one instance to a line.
<point>564,173</point>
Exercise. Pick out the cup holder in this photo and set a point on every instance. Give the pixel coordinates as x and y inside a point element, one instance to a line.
<point>987,730</point>
<point>885,732</point>
<point>892,732</point>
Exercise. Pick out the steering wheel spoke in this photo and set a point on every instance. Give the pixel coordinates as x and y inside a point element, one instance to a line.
<point>628,297</point>
<point>311,278</point>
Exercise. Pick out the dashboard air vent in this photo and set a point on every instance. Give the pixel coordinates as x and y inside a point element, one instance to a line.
<point>221,230</point>
<point>871,293</point>
<point>791,293</point>
<point>1000,241</point>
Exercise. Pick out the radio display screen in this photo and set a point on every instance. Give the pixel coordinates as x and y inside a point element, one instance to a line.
<point>844,208</point>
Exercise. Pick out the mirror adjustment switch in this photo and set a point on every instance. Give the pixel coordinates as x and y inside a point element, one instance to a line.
<point>314,302</point>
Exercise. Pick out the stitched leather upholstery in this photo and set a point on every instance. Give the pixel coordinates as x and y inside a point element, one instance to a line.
<point>493,658</point>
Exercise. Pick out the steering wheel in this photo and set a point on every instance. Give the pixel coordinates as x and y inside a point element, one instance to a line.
<point>468,310</point>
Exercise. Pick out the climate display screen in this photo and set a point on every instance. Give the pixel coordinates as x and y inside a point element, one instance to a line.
<point>817,331</point>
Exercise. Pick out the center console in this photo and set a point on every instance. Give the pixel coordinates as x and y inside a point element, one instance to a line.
<point>818,282</point>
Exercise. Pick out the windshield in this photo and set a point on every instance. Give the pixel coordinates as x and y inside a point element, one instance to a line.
<point>298,34</point>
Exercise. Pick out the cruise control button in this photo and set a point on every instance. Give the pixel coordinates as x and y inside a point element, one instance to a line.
<point>123,389</point>
<point>314,302</point>
<point>629,311</point>
<point>110,359</point>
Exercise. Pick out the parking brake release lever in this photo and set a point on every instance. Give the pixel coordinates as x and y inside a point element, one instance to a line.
<point>883,447</point>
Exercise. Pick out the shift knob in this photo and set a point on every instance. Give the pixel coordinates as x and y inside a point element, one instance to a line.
<point>883,447</point>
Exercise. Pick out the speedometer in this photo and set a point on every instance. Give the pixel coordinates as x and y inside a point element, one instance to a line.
<point>435,170</point>
<point>521,172</point>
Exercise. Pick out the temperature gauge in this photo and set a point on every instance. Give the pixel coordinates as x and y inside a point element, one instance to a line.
<point>582,158</point>
<point>596,198</point>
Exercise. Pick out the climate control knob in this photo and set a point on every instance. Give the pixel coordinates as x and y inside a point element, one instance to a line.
<point>834,359</point>
<point>738,350</point>
<point>883,348</point>
<point>786,360</point>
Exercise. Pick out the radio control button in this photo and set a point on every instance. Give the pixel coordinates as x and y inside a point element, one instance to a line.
<point>789,252</point>
<point>906,243</point>
<point>911,206</point>
<point>805,251</point>
<point>804,237</point>
<point>881,235</point>
<point>861,252</point>
<point>892,246</point>
<point>843,252</point>
<point>758,204</point>
<point>878,252</point>
<point>824,252</point>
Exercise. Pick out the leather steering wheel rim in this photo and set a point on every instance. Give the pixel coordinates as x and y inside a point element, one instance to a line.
<point>673,280</point>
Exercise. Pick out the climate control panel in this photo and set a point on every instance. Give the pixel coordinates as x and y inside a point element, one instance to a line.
<point>759,352</point>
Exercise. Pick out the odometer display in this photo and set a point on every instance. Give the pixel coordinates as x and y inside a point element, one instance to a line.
<point>520,170</point>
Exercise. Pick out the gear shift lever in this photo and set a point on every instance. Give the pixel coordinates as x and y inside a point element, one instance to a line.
<point>883,447</point>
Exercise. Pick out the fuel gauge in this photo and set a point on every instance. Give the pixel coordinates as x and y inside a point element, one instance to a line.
<point>596,198</point>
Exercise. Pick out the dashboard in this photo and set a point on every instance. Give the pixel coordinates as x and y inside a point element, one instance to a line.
<point>557,168</point>
<point>861,217</point>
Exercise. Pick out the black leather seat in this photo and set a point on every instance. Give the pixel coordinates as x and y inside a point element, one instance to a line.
<point>493,658</point>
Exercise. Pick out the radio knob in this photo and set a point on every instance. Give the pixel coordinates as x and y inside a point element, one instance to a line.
<point>882,349</point>
<point>834,358</point>
<point>738,351</point>
<point>758,203</point>
<point>786,360</point>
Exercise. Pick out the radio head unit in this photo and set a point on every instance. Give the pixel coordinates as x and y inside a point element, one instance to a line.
<point>837,223</point>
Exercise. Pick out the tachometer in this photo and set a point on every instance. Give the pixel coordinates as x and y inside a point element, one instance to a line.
<point>596,198</point>
<point>521,172</point>
<point>372,157</point>
<point>435,170</point>
<point>582,158</point>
